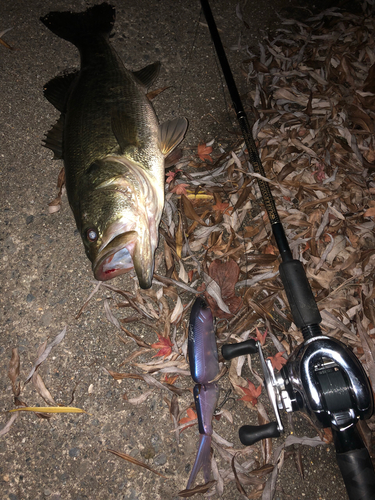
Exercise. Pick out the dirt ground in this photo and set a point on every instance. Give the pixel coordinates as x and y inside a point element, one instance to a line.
<point>46,277</point>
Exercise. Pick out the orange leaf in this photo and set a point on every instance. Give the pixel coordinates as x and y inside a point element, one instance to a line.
<point>170,380</point>
<point>261,338</point>
<point>222,207</point>
<point>204,152</point>
<point>191,416</point>
<point>327,437</point>
<point>171,175</point>
<point>370,212</point>
<point>165,346</point>
<point>277,361</point>
<point>180,189</point>
<point>251,394</point>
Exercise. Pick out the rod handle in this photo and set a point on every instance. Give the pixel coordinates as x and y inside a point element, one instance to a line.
<point>358,474</point>
<point>301,300</point>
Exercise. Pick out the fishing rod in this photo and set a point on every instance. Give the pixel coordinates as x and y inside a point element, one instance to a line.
<point>322,377</point>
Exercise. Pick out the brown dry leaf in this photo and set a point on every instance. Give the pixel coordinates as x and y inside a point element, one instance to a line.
<point>9,424</point>
<point>240,488</point>
<point>134,461</point>
<point>151,95</point>
<point>266,443</point>
<point>55,205</point>
<point>179,236</point>
<point>140,399</point>
<point>46,352</point>
<point>201,488</point>
<point>174,412</point>
<point>42,389</point>
<point>204,152</point>
<point>122,376</point>
<point>226,276</point>
<point>190,212</point>
<point>14,371</point>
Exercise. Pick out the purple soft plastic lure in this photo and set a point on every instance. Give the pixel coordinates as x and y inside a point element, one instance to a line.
<point>203,358</point>
<point>204,366</point>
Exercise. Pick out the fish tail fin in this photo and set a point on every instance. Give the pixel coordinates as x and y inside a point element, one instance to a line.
<point>75,27</point>
<point>202,460</point>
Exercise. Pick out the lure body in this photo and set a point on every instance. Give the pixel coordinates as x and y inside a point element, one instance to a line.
<point>204,367</point>
<point>203,357</point>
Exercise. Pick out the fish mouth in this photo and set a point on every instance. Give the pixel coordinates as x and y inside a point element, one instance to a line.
<point>125,252</point>
<point>116,257</point>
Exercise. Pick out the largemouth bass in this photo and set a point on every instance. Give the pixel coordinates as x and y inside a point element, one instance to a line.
<point>112,145</point>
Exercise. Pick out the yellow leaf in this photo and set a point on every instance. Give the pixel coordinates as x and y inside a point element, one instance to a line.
<point>50,409</point>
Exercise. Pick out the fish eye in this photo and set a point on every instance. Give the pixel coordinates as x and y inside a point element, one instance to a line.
<point>92,234</point>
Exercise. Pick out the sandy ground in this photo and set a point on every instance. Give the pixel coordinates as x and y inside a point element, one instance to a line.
<point>46,277</point>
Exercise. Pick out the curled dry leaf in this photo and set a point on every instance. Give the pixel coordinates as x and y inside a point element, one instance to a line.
<point>134,461</point>
<point>201,488</point>
<point>14,371</point>
<point>46,352</point>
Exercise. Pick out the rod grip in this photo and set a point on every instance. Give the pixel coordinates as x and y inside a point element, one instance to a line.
<point>298,291</point>
<point>230,351</point>
<point>250,434</point>
<point>358,474</point>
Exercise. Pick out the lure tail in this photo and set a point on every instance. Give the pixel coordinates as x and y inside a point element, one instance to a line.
<point>202,460</point>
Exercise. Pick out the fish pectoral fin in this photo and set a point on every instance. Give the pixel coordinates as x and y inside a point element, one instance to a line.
<point>54,139</point>
<point>57,90</point>
<point>124,129</point>
<point>171,134</point>
<point>146,76</point>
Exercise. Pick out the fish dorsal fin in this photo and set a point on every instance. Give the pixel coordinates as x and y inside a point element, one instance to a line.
<point>56,91</point>
<point>171,134</point>
<point>146,76</point>
<point>54,139</point>
<point>124,129</point>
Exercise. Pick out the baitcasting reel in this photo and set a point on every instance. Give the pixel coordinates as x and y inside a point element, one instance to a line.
<point>324,379</point>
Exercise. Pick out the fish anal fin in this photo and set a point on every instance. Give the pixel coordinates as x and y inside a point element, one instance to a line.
<point>146,76</point>
<point>124,129</point>
<point>171,134</point>
<point>56,90</point>
<point>54,139</point>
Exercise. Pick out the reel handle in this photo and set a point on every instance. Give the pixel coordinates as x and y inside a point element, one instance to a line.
<point>230,351</point>
<point>355,464</point>
<point>250,434</point>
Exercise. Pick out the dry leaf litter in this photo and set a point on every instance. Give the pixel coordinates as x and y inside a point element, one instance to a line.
<point>313,99</point>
